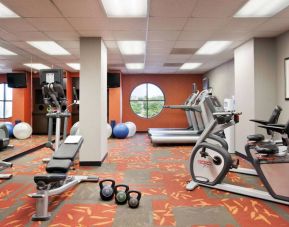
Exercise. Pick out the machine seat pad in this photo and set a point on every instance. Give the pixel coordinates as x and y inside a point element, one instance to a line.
<point>267,149</point>
<point>49,178</point>
<point>68,150</point>
<point>256,137</point>
<point>58,166</point>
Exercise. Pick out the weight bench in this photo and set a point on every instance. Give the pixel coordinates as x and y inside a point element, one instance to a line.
<point>56,181</point>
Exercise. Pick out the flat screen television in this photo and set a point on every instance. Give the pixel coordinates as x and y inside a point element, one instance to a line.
<point>113,80</point>
<point>48,76</point>
<point>16,80</point>
<point>206,83</point>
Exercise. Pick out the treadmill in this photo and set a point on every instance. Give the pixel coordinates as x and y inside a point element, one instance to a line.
<point>197,117</point>
<point>188,103</point>
<point>208,105</point>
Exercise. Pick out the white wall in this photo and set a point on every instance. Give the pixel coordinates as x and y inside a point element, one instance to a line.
<point>244,92</point>
<point>222,80</point>
<point>282,53</point>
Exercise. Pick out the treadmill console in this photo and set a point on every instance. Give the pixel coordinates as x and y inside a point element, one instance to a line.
<point>214,104</point>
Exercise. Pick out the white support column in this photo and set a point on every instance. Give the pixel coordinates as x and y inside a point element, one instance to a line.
<point>93,100</point>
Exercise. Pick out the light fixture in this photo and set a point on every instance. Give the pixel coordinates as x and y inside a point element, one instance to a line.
<point>134,66</point>
<point>213,47</point>
<point>131,47</point>
<point>190,66</point>
<point>37,66</point>
<point>262,8</point>
<point>4,51</point>
<point>75,66</point>
<point>49,47</point>
<point>125,8</point>
<point>6,12</point>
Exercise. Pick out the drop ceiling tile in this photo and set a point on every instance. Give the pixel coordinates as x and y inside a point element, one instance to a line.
<point>244,24</point>
<point>166,23</point>
<point>172,8</point>
<point>82,24</point>
<point>63,36</point>
<point>106,35</point>
<point>177,58</point>
<point>158,51</point>
<point>129,35</point>
<point>80,8</point>
<point>275,24</point>
<point>7,35</point>
<point>160,44</point>
<point>50,24</point>
<point>133,58</point>
<point>265,34</point>
<point>26,36</point>
<point>283,14</point>
<point>189,44</point>
<point>16,25</point>
<point>163,35</point>
<point>217,8</point>
<point>32,8</point>
<point>230,35</point>
<point>197,24</point>
<point>195,35</point>
<point>127,24</point>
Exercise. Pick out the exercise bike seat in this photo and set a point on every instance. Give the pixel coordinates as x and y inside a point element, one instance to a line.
<point>58,166</point>
<point>49,178</point>
<point>267,149</point>
<point>256,137</point>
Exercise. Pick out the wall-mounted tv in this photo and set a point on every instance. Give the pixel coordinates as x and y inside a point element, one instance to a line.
<point>16,80</point>
<point>206,83</point>
<point>113,80</point>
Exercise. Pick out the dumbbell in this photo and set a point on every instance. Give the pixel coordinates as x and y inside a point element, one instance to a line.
<point>107,190</point>
<point>133,198</point>
<point>120,192</point>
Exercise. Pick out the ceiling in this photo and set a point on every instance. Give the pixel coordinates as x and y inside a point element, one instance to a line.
<point>171,24</point>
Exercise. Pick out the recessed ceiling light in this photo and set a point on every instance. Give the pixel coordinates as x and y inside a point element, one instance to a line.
<point>125,8</point>
<point>75,66</point>
<point>262,8</point>
<point>189,66</point>
<point>37,66</point>
<point>4,51</point>
<point>134,66</point>
<point>6,12</point>
<point>213,47</point>
<point>131,47</point>
<point>49,47</point>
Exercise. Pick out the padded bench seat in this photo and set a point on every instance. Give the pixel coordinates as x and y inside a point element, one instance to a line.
<point>58,166</point>
<point>49,178</point>
<point>256,137</point>
<point>267,149</point>
<point>67,150</point>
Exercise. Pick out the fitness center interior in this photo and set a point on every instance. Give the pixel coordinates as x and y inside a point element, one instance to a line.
<point>129,113</point>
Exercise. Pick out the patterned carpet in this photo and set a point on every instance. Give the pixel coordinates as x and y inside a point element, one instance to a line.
<point>159,172</point>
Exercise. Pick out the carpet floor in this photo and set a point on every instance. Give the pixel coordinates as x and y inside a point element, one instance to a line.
<point>160,173</point>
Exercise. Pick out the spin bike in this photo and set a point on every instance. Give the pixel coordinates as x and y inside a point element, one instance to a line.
<point>209,163</point>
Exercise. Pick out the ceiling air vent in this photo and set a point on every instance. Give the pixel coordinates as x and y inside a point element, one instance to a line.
<point>184,51</point>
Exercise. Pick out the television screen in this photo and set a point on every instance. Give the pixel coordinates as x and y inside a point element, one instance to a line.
<point>206,83</point>
<point>113,80</point>
<point>16,80</point>
<point>48,76</point>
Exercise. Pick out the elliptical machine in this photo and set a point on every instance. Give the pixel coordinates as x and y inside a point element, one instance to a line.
<point>209,164</point>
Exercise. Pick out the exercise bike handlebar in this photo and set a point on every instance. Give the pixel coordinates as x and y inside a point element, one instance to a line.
<point>227,113</point>
<point>182,107</point>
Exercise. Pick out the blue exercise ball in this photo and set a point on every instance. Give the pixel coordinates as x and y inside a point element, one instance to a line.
<point>10,127</point>
<point>120,131</point>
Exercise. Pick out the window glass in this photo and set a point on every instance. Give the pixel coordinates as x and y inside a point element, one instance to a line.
<point>147,100</point>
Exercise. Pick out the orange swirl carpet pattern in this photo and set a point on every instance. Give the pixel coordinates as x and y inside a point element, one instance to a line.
<point>160,173</point>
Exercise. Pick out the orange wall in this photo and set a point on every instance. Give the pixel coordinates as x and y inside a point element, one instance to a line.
<point>176,88</point>
<point>21,102</point>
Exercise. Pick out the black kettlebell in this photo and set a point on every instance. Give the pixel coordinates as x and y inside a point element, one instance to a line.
<point>133,198</point>
<point>106,190</point>
<point>120,194</point>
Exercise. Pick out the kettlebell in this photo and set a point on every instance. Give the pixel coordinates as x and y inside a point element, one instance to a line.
<point>133,200</point>
<point>106,190</point>
<point>120,194</point>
